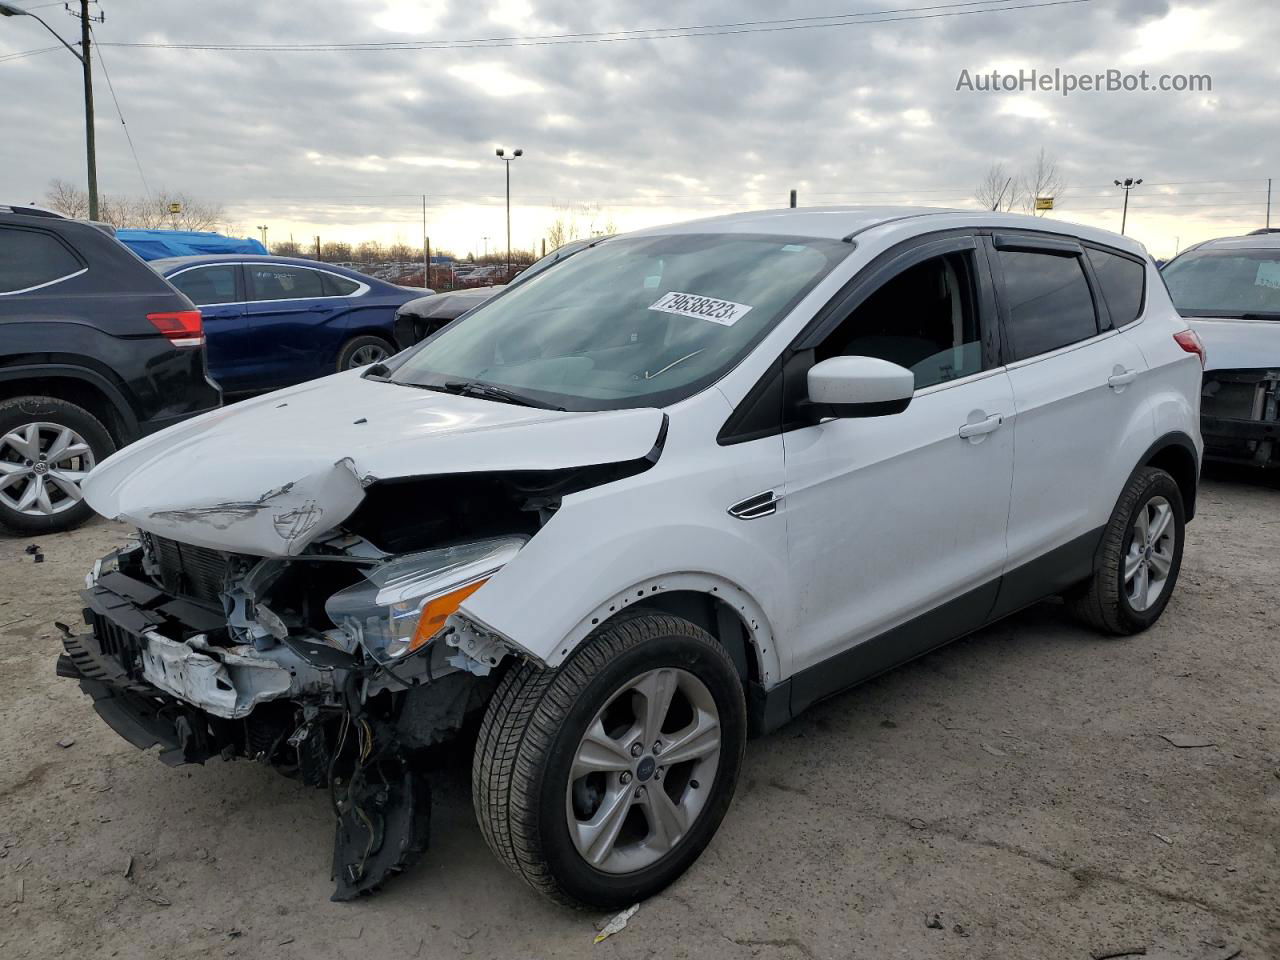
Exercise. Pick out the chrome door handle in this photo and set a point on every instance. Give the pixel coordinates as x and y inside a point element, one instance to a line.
<point>1123,379</point>
<point>982,427</point>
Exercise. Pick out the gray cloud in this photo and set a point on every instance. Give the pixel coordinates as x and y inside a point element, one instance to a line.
<point>687,125</point>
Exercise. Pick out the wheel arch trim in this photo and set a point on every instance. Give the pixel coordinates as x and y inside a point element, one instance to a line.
<point>1177,454</point>
<point>122,413</point>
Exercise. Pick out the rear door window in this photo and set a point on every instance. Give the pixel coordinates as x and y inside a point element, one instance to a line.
<point>32,258</point>
<point>208,285</point>
<point>1123,283</point>
<point>278,281</point>
<point>1048,300</point>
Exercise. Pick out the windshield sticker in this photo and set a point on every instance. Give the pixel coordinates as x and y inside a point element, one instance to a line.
<point>1268,274</point>
<point>724,312</point>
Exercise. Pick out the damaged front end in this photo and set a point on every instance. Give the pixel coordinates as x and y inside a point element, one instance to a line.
<point>340,665</point>
<point>334,667</point>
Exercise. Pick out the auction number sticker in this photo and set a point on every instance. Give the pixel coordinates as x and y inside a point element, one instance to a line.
<point>723,312</point>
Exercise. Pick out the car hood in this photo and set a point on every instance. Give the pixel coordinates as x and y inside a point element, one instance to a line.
<point>1238,344</point>
<point>268,476</point>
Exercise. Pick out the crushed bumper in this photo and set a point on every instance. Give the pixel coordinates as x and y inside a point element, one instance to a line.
<point>1240,416</point>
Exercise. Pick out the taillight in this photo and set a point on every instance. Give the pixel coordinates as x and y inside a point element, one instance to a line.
<point>184,328</point>
<point>1190,341</point>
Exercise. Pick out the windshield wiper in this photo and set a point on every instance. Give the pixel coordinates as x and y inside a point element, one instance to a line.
<point>491,391</point>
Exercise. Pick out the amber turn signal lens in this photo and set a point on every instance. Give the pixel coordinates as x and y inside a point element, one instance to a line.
<point>436,611</point>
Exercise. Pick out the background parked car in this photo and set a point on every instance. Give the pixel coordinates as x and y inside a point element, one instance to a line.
<point>418,319</point>
<point>276,321</point>
<point>1229,289</point>
<point>96,350</point>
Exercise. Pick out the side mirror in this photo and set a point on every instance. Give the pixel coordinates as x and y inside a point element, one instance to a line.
<point>860,387</point>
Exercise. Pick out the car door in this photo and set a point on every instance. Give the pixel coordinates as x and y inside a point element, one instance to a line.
<point>291,320</point>
<point>896,524</point>
<point>218,290</point>
<point>1080,424</point>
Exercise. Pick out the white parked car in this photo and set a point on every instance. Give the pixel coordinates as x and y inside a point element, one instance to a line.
<point>664,495</point>
<point>1230,291</point>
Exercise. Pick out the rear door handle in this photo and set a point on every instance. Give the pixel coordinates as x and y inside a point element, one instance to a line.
<point>970,430</point>
<point>1122,379</point>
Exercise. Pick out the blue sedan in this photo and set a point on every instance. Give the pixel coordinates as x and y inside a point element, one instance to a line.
<point>275,321</point>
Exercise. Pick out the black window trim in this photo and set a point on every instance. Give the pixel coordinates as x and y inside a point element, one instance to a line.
<point>768,408</point>
<point>84,267</point>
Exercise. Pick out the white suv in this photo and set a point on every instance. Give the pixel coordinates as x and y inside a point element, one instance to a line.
<point>665,494</point>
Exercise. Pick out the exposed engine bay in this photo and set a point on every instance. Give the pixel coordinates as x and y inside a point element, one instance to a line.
<point>340,667</point>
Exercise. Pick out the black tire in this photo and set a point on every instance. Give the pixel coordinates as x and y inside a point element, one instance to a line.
<point>347,355</point>
<point>532,727</point>
<point>1103,602</point>
<point>22,411</point>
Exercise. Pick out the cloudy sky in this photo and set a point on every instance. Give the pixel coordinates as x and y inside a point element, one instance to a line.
<point>344,142</point>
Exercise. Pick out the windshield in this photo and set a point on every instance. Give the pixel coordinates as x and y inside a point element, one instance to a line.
<point>1226,283</point>
<point>640,321</point>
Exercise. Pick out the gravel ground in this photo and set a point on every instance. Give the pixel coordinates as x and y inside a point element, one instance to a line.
<point>1015,784</point>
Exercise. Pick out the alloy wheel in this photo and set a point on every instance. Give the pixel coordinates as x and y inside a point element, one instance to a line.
<point>41,467</point>
<point>1150,555</point>
<point>643,771</point>
<point>367,354</point>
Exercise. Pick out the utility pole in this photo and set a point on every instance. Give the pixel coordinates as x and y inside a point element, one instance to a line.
<point>1127,184</point>
<point>9,10</point>
<point>1268,203</point>
<point>793,199</point>
<point>91,151</point>
<point>426,247</point>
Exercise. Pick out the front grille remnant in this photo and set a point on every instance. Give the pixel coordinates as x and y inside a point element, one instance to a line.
<point>187,571</point>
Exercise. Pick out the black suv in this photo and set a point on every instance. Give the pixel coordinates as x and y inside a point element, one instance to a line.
<point>96,350</point>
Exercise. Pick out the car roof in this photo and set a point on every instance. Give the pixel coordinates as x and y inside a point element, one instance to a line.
<point>1256,241</point>
<point>838,223</point>
<point>165,264</point>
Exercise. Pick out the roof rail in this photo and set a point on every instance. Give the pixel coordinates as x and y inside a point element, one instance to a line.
<point>30,211</point>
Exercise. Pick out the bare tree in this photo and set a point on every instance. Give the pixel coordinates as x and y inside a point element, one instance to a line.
<point>287,248</point>
<point>997,190</point>
<point>370,251</point>
<point>575,222</point>
<point>68,200</point>
<point>335,250</point>
<point>401,251</point>
<point>1044,179</point>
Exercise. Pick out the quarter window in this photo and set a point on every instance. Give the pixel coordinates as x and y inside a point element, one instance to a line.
<point>208,285</point>
<point>923,319</point>
<point>1122,281</point>
<point>336,286</point>
<point>271,281</point>
<point>1048,300</point>
<point>29,259</point>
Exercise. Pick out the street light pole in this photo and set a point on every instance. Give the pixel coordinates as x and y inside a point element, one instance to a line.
<point>9,10</point>
<point>502,155</point>
<point>1127,184</point>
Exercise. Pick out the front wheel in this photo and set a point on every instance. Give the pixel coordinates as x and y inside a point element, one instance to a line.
<point>1140,556</point>
<point>601,782</point>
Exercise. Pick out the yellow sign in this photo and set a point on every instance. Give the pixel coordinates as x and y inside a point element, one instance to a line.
<point>1044,203</point>
<point>177,207</point>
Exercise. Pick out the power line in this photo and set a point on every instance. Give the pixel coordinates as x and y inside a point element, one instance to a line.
<point>620,36</point>
<point>120,113</point>
<point>4,58</point>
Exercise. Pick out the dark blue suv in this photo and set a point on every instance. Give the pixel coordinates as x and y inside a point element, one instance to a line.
<point>276,321</point>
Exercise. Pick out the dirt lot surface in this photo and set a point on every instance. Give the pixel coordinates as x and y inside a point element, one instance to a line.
<point>1016,784</point>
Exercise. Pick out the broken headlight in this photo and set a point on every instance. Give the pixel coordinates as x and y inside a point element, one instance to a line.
<point>404,603</point>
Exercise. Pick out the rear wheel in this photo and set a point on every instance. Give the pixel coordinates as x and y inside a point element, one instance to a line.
<point>601,782</point>
<point>362,351</point>
<point>1140,557</point>
<point>47,447</point>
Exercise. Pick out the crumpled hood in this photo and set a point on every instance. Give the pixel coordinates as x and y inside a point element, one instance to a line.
<point>269,475</point>
<point>1238,344</point>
